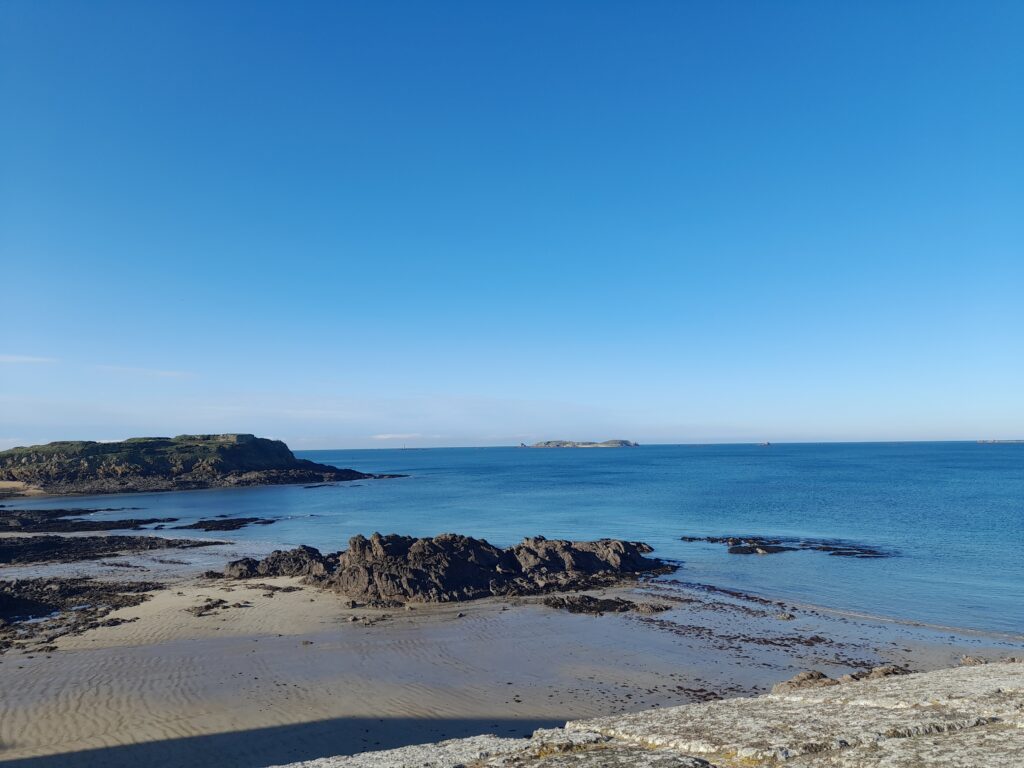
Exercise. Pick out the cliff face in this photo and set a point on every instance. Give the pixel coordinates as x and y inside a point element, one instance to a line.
<point>163,463</point>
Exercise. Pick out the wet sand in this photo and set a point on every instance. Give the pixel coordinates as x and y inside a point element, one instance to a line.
<point>288,676</point>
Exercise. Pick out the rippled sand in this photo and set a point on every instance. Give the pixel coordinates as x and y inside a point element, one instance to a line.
<point>291,677</point>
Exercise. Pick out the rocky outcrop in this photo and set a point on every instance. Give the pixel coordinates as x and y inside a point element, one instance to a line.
<point>384,570</point>
<point>966,717</point>
<point>301,561</point>
<point>164,464</point>
<point>446,568</point>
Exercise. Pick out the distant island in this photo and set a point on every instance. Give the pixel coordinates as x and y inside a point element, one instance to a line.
<point>574,444</point>
<point>143,464</point>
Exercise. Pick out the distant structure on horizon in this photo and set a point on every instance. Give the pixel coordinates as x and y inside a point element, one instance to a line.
<point>574,444</point>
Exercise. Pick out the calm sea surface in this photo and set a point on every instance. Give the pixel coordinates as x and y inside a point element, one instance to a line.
<point>953,514</point>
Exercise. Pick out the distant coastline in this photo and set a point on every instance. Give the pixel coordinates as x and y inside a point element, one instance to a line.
<point>575,444</point>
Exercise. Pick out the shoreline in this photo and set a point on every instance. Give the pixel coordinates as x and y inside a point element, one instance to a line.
<point>281,671</point>
<point>251,670</point>
<point>206,552</point>
<point>877,618</point>
<point>34,493</point>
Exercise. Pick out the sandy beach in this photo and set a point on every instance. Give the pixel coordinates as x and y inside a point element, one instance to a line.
<point>282,672</point>
<point>377,376</point>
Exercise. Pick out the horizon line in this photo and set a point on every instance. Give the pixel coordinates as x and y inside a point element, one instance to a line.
<point>766,443</point>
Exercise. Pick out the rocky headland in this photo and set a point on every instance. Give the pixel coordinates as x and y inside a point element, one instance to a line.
<point>393,570</point>
<point>143,464</point>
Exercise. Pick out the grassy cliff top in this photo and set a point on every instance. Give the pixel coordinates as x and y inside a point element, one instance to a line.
<point>160,464</point>
<point>226,452</point>
<point>183,445</point>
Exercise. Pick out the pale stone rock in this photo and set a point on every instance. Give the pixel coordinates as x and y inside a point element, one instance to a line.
<point>967,717</point>
<point>454,753</point>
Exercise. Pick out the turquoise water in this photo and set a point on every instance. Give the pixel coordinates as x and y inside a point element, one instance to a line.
<point>952,514</point>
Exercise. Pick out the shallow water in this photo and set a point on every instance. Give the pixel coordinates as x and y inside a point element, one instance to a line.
<point>952,514</point>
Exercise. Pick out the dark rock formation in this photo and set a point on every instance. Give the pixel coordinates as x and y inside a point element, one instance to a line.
<point>245,568</point>
<point>759,545</point>
<point>41,610</point>
<point>451,567</point>
<point>442,569</point>
<point>301,561</point>
<point>224,524</point>
<point>68,521</point>
<point>385,570</point>
<point>164,464</point>
<point>599,605</point>
<point>758,548</point>
<point>68,549</point>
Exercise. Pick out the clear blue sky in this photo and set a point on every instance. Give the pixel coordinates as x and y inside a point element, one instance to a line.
<point>457,223</point>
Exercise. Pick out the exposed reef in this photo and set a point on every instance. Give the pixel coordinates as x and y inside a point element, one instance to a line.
<point>759,545</point>
<point>164,464</point>
<point>390,570</point>
<point>41,610</point>
<point>70,521</point>
<point>224,524</point>
<point>25,550</point>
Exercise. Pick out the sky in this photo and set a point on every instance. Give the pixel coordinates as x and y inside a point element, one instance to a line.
<point>353,224</point>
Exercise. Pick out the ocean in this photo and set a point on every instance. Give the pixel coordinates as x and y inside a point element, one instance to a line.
<point>950,514</point>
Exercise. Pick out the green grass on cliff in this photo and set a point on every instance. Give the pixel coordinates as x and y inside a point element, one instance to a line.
<point>229,452</point>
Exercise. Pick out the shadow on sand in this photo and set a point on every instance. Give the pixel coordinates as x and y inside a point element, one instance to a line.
<point>281,744</point>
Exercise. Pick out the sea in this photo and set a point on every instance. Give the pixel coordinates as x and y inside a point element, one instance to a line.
<point>950,515</point>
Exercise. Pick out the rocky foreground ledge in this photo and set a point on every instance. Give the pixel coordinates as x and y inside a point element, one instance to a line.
<point>968,717</point>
